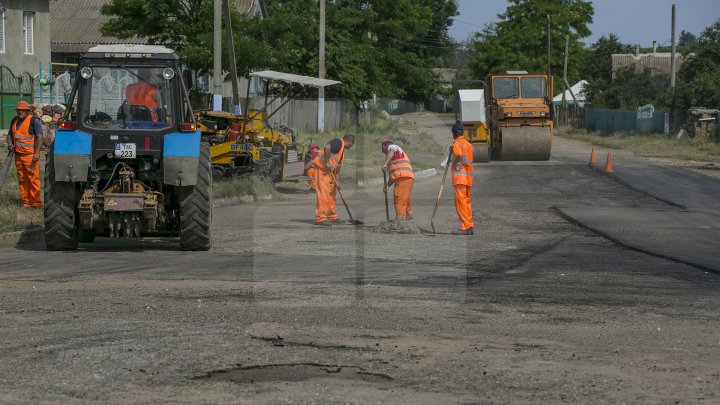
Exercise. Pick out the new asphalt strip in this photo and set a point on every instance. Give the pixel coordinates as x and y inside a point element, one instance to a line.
<point>688,231</point>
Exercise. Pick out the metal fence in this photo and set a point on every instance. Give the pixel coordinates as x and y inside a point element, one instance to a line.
<point>13,88</point>
<point>607,121</point>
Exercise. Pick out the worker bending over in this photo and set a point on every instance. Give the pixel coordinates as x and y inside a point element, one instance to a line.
<point>461,166</point>
<point>309,166</point>
<point>327,168</point>
<point>397,165</point>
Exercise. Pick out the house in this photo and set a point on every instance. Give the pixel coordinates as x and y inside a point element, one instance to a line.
<point>578,89</point>
<point>658,62</point>
<point>24,48</point>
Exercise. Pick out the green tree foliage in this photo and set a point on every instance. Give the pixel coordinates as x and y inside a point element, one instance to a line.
<point>686,39</point>
<point>698,80</point>
<point>597,70</point>
<point>519,40</point>
<point>184,25</point>
<point>383,47</point>
<point>628,90</point>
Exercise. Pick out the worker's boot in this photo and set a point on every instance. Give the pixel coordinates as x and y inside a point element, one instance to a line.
<point>468,231</point>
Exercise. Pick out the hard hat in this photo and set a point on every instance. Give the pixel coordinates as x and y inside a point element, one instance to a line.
<point>458,128</point>
<point>22,105</point>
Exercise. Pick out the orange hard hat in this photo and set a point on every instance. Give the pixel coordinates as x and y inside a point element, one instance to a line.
<point>22,105</point>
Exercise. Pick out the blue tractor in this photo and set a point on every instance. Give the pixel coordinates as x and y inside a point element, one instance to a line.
<point>128,159</point>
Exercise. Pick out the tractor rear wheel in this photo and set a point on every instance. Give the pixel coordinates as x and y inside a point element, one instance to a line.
<point>195,209</point>
<point>61,219</point>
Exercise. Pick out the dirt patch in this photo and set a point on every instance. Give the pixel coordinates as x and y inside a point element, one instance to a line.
<point>398,226</point>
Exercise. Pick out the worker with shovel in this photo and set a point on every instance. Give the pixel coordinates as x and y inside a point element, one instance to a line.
<point>461,166</point>
<point>327,167</point>
<point>25,138</point>
<point>397,166</point>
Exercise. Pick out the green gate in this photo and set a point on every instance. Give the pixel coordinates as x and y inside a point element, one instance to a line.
<point>12,88</point>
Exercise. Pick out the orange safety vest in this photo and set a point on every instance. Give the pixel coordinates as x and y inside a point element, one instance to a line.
<point>462,172</point>
<point>335,160</point>
<point>142,93</point>
<point>24,141</point>
<point>399,166</point>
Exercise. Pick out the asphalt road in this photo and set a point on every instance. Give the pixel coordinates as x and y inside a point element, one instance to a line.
<point>541,305</point>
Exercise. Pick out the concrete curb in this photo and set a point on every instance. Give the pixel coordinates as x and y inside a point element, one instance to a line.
<point>379,180</point>
<point>25,237</point>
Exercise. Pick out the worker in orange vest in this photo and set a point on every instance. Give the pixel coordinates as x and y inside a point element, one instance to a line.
<point>145,92</point>
<point>397,165</point>
<point>461,166</point>
<point>327,167</point>
<point>25,138</point>
<point>312,151</point>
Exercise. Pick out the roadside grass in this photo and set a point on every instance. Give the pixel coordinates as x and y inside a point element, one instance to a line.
<point>245,186</point>
<point>648,145</point>
<point>364,160</point>
<point>13,216</point>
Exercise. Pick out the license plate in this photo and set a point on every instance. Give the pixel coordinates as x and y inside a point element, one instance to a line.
<point>125,150</point>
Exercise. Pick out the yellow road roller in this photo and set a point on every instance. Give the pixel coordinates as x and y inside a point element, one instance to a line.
<point>519,115</point>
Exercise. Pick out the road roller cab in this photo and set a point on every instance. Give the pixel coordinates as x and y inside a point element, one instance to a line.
<point>519,115</point>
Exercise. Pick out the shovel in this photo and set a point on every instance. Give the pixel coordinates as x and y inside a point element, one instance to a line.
<point>6,168</point>
<point>352,221</point>
<point>437,201</point>
<point>387,210</point>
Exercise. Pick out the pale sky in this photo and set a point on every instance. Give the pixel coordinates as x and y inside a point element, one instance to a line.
<point>633,21</point>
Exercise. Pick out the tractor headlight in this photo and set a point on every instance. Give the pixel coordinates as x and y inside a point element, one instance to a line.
<point>542,113</point>
<point>168,73</point>
<point>508,114</point>
<point>86,72</point>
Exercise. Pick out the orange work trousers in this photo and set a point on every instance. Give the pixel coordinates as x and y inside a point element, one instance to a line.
<point>29,180</point>
<point>325,191</point>
<point>402,190</point>
<point>462,206</point>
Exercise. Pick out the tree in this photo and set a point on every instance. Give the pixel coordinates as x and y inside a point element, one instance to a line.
<point>698,80</point>
<point>184,25</point>
<point>687,39</point>
<point>597,70</point>
<point>518,41</point>
<point>383,47</point>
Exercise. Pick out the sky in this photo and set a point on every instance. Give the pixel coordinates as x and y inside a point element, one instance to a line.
<point>633,21</point>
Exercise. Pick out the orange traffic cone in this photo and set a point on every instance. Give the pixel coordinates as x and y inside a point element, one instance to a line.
<point>608,165</point>
<point>592,161</point>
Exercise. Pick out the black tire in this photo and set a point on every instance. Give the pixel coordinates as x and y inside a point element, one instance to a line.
<point>195,207</point>
<point>61,219</point>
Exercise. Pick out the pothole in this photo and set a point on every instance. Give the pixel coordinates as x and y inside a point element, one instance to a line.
<point>292,372</point>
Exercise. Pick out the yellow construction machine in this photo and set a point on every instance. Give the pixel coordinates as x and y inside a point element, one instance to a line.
<point>244,144</point>
<point>519,115</point>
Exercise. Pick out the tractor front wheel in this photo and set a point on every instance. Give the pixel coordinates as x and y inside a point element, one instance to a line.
<point>61,219</point>
<point>195,207</point>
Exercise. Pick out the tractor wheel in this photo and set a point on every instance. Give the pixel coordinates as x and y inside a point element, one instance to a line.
<point>62,222</point>
<point>195,209</point>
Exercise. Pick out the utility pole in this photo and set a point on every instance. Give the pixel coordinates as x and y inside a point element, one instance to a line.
<point>549,45</point>
<point>672,52</point>
<point>321,71</point>
<point>231,58</point>
<point>217,56</point>
<point>671,114</point>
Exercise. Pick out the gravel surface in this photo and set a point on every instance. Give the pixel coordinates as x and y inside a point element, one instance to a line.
<point>531,309</point>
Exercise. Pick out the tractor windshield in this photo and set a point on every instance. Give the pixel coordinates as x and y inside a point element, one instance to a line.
<point>136,98</point>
